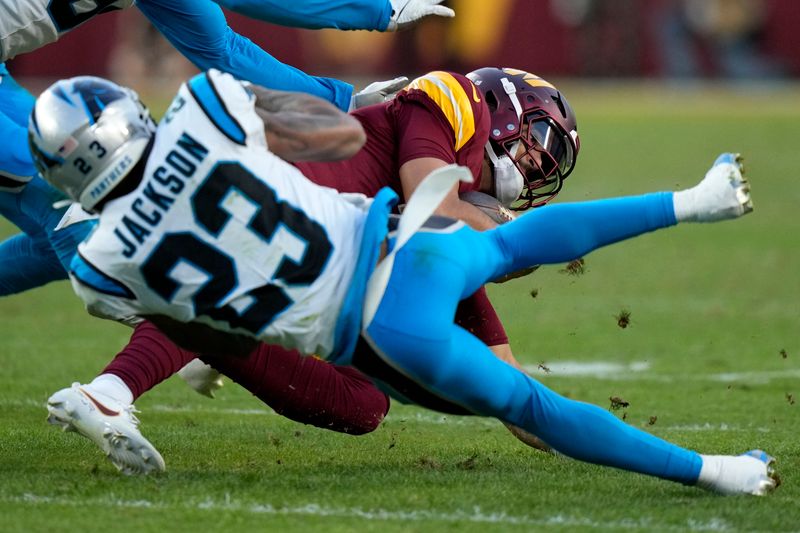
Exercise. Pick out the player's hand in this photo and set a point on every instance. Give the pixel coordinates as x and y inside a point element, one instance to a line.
<point>406,12</point>
<point>201,377</point>
<point>377,92</point>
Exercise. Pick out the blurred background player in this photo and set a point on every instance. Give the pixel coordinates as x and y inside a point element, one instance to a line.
<point>250,283</point>
<point>514,131</point>
<point>720,36</point>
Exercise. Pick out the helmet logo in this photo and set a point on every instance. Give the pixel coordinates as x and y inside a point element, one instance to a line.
<point>96,96</point>
<point>475,95</point>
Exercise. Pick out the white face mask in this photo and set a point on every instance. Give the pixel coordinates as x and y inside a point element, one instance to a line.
<point>508,180</point>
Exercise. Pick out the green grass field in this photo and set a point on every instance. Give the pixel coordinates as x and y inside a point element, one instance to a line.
<point>710,360</point>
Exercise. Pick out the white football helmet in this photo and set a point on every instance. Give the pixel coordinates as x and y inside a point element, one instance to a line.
<point>86,134</point>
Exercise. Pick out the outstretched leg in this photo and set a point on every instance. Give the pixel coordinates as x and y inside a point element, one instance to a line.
<point>413,331</point>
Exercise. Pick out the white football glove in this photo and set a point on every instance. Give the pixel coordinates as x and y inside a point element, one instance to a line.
<point>201,377</point>
<point>377,92</point>
<point>406,12</point>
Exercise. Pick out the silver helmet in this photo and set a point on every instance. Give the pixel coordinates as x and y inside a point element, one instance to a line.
<point>86,134</point>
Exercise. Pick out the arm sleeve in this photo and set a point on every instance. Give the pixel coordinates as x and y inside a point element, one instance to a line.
<point>198,29</point>
<point>317,14</point>
<point>16,104</point>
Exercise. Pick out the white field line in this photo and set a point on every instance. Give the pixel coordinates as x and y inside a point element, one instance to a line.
<point>411,416</point>
<point>641,371</point>
<point>474,515</point>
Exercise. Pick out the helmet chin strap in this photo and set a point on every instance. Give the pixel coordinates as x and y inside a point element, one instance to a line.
<point>511,91</point>
<point>508,180</point>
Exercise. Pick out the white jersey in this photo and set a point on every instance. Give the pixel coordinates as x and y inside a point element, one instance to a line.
<point>26,25</point>
<point>221,231</point>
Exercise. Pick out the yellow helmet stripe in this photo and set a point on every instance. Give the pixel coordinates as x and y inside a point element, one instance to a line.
<point>531,79</point>
<point>453,100</point>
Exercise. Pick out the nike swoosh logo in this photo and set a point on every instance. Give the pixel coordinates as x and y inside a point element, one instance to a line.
<point>100,407</point>
<point>475,95</point>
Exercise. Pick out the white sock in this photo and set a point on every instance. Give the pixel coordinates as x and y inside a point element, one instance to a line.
<point>685,205</point>
<point>710,471</point>
<point>732,474</point>
<point>112,386</point>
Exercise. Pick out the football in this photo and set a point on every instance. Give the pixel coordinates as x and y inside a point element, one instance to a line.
<point>489,205</point>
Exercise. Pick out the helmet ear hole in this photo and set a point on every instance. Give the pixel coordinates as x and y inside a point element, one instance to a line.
<point>557,99</point>
<point>491,101</point>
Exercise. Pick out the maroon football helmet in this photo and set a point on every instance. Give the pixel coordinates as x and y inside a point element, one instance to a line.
<point>533,126</point>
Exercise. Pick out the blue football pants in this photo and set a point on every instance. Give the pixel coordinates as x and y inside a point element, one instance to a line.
<point>413,328</point>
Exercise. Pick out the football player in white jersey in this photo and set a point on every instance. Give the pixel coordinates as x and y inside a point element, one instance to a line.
<point>198,29</point>
<point>204,230</point>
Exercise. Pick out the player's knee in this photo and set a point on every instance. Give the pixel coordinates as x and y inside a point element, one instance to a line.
<point>365,405</point>
<point>370,415</point>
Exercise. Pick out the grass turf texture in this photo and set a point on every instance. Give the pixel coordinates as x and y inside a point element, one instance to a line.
<point>713,310</point>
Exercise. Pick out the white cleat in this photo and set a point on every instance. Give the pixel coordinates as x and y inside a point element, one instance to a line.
<point>750,473</point>
<point>723,194</point>
<point>110,424</point>
<point>201,377</point>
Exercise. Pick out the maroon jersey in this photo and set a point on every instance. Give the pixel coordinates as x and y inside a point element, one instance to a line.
<point>440,115</point>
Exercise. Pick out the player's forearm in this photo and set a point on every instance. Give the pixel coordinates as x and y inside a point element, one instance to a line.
<point>458,209</point>
<point>199,31</point>
<point>317,14</point>
<point>414,171</point>
<point>504,353</point>
<point>247,61</point>
<point>300,127</point>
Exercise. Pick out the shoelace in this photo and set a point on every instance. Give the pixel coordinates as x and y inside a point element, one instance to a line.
<point>129,410</point>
